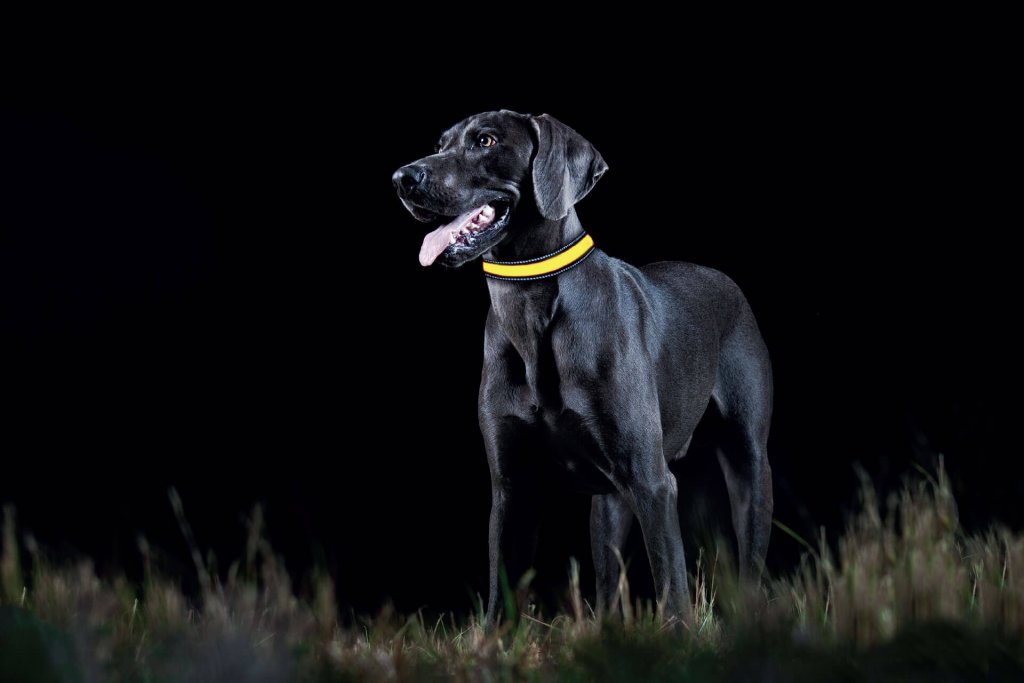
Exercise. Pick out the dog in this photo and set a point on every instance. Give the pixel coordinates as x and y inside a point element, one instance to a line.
<point>595,372</point>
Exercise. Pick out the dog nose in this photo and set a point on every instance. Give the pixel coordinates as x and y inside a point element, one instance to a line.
<point>408,177</point>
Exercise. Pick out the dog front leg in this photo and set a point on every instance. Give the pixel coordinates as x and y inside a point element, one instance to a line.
<point>610,520</point>
<point>512,539</point>
<point>654,504</point>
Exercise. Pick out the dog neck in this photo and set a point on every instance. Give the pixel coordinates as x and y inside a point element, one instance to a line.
<point>538,238</point>
<point>525,308</point>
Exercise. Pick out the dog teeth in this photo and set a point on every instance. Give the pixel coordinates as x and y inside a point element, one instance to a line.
<point>451,238</point>
<point>488,211</point>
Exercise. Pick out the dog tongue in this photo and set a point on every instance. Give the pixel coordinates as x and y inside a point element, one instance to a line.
<point>437,241</point>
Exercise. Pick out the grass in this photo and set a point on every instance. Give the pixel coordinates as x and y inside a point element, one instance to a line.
<point>902,595</point>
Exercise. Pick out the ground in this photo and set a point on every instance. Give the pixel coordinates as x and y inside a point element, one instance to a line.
<point>902,595</point>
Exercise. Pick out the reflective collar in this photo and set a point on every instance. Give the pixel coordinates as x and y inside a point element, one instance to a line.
<point>556,262</point>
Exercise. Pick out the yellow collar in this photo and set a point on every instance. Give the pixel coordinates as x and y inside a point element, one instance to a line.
<point>554,263</point>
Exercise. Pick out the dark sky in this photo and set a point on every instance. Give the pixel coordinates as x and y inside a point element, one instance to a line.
<point>206,281</point>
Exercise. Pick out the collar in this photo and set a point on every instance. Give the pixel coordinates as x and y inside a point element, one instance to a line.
<point>569,256</point>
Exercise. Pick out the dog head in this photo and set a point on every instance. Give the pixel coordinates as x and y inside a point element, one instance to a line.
<point>490,175</point>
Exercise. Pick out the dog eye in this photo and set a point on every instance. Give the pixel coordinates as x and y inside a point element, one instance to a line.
<point>486,140</point>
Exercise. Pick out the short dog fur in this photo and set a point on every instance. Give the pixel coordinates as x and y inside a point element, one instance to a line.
<point>597,377</point>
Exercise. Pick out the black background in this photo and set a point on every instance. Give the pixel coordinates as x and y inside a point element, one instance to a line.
<point>206,281</point>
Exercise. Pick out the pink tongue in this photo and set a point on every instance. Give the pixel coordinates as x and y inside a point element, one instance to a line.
<point>437,241</point>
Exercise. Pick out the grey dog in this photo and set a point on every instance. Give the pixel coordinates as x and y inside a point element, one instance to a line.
<point>595,375</point>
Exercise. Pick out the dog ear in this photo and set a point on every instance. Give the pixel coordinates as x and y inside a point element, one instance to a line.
<point>565,168</point>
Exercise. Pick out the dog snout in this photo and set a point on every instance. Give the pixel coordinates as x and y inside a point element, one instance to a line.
<point>409,177</point>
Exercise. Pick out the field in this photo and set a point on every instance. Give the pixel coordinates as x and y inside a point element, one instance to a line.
<point>904,594</point>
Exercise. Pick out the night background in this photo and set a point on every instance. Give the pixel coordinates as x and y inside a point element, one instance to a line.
<point>207,282</point>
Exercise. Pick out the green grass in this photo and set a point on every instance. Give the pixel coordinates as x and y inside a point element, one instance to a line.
<point>902,595</point>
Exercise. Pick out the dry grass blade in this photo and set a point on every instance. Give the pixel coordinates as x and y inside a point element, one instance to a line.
<point>897,569</point>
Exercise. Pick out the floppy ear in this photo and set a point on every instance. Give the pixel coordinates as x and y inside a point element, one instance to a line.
<point>565,168</point>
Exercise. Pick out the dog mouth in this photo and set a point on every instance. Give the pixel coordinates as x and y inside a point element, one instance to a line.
<point>466,232</point>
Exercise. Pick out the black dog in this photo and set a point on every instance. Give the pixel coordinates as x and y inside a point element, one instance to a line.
<point>592,367</point>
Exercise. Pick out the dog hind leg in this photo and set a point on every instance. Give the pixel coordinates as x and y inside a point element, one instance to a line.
<point>743,395</point>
